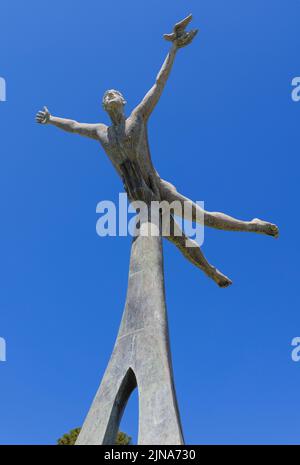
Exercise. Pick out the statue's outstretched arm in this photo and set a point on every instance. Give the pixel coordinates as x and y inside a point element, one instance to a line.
<point>69,125</point>
<point>148,103</point>
<point>179,38</point>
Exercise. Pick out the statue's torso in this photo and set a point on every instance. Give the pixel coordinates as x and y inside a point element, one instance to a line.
<point>129,141</point>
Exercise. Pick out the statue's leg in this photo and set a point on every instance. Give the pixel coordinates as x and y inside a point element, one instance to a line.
<point>214,219</point>
<point>192,252</point>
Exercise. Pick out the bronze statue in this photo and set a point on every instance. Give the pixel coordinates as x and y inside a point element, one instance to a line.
<point>126,144</point>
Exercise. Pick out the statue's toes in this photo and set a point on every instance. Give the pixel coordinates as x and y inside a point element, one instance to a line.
<point>224,282</point>
<point>220,278</point>
<point>264,227</point>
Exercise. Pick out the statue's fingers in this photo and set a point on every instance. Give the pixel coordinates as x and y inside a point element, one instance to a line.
<point>193,33</point>
<point>187,41</point>
<point>187,38</point>
<point>46,110</point>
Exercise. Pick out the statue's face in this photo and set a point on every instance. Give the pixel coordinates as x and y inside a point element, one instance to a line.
<point>113,100</point>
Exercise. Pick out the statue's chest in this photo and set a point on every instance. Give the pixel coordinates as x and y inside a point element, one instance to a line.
<point>122,143</point>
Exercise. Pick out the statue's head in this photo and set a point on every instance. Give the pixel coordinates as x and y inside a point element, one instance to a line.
<point>113,100</point>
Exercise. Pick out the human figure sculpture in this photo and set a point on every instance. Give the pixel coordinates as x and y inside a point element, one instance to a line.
<point>125,142</point>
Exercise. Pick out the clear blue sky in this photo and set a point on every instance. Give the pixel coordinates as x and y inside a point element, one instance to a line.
<point>226,131</point>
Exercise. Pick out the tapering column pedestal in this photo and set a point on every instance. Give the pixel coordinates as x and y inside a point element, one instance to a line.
<point>141,358</point>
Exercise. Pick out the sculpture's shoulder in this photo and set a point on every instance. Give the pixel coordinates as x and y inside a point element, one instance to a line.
<point>136,115</point>
<point>101,127</point>
<point>102,130</point>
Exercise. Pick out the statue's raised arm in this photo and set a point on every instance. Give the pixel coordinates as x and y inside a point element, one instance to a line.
<point>179,38</point>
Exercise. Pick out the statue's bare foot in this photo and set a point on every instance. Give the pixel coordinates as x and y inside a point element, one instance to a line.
<point>220,278</point>
<point>264,227</point>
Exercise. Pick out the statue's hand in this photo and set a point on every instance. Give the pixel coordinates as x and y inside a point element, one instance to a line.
<point>180,37</point>
<point>43,116</point>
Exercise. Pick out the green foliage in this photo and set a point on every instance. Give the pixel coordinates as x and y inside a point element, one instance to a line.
<point>69,439</point>
<point>123,439</point>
